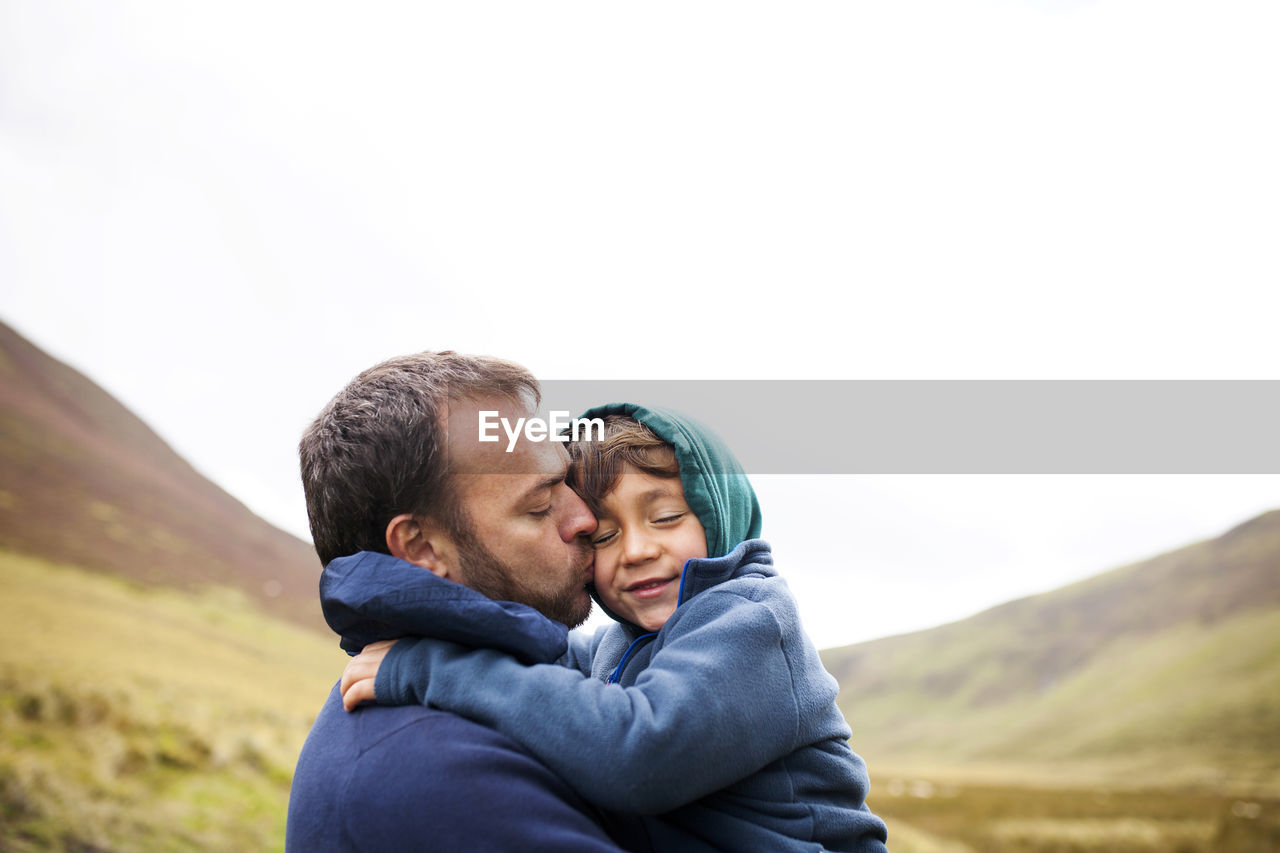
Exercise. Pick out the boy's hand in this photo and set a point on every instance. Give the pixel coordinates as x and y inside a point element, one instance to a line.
<point>361,672</point>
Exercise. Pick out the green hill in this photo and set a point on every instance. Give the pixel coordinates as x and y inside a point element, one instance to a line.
<point>1162,673</point>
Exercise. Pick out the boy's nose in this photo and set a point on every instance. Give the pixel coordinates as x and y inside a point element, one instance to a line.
<point>638,547</point>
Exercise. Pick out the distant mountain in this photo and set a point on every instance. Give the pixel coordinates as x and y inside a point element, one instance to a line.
<point>1167,669</point>
<point>85,482</point>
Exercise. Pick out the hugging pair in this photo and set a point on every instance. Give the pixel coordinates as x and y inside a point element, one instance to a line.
<point>701,720</point>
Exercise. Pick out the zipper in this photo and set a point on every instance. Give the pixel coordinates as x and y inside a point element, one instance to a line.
<point>617,671</point>
<point>684,576</point>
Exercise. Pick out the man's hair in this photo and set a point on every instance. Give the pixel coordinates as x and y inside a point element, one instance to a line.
<point>380,447</point>
<point>597,465</point>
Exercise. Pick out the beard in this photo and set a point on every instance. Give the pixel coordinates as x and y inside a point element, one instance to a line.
<point>491,577</point>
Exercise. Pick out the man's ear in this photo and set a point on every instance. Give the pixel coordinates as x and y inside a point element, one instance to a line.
<point>422,542</point>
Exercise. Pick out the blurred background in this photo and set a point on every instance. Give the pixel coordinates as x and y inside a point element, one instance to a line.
<point>212,218</point>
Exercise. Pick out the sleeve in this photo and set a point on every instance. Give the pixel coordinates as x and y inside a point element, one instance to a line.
<point>482,792</point>
<point>716,704</point>
<point>582,650</point>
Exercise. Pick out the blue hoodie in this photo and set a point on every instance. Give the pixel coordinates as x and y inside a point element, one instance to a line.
<point>413,778</point>
<point>721,727</point>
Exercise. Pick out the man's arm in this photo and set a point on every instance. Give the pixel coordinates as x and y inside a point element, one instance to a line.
<point>716,703</point>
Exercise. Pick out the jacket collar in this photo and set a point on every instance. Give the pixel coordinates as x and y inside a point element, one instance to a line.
<point>368,597</point>
<point>752,557</point>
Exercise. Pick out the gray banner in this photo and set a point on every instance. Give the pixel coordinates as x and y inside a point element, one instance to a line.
<point>968,427</point>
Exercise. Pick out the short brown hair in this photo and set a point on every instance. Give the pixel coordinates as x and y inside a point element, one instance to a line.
<point>379,448</point>
<point>598,464</point>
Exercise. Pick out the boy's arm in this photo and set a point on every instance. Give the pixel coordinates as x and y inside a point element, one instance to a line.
<point>582,650</point>
<point>716,704</point>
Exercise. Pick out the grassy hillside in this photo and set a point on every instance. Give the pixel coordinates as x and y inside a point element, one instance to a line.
<point>136,718</point>
<point>85,482</point>
<point>1191,705</point>
<point>152,698</point>
<point>1168,669</point>
<point>1136,710</point>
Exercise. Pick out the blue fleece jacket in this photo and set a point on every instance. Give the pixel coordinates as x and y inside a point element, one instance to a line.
<point>413,778</point>
<point>722,726</point>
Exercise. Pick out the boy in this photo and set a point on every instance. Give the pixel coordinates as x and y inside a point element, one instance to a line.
<point>715,716</point>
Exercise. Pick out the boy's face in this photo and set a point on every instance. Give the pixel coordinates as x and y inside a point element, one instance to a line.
<point>645,534</point>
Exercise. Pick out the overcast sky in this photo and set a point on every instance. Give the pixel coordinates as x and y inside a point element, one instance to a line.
<point>222,212</point>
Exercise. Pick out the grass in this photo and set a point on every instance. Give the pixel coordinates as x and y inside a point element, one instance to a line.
<point>133,718</point>
<point>950,817</point>
<point>144,719</point>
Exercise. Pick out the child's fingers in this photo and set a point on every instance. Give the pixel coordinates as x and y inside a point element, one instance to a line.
<point>358,669</point>
<point>363,667</point>
<point>360,691</point>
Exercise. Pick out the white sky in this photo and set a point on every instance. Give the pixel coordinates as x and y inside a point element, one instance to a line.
<point>222,212</point>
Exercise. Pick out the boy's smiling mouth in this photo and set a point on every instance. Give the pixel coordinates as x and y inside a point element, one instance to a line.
<point>649,588</point>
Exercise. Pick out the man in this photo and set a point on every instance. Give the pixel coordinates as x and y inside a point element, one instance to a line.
<point>393,465</point>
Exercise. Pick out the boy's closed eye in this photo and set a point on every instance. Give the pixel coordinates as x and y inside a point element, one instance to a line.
<point>603,537</point>
<point>606,535</point>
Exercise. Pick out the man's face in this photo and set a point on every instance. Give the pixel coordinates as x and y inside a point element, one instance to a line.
<point>524,534</point>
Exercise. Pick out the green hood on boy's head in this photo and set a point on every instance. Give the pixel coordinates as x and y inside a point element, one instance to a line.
<point>715,485</point>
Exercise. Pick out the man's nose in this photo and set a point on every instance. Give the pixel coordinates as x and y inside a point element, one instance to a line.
<point>577,520</point>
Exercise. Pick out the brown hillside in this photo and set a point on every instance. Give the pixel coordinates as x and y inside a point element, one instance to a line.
<point>84,481</point>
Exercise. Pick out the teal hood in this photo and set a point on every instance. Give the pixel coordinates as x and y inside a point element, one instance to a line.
<point>715,485</point>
